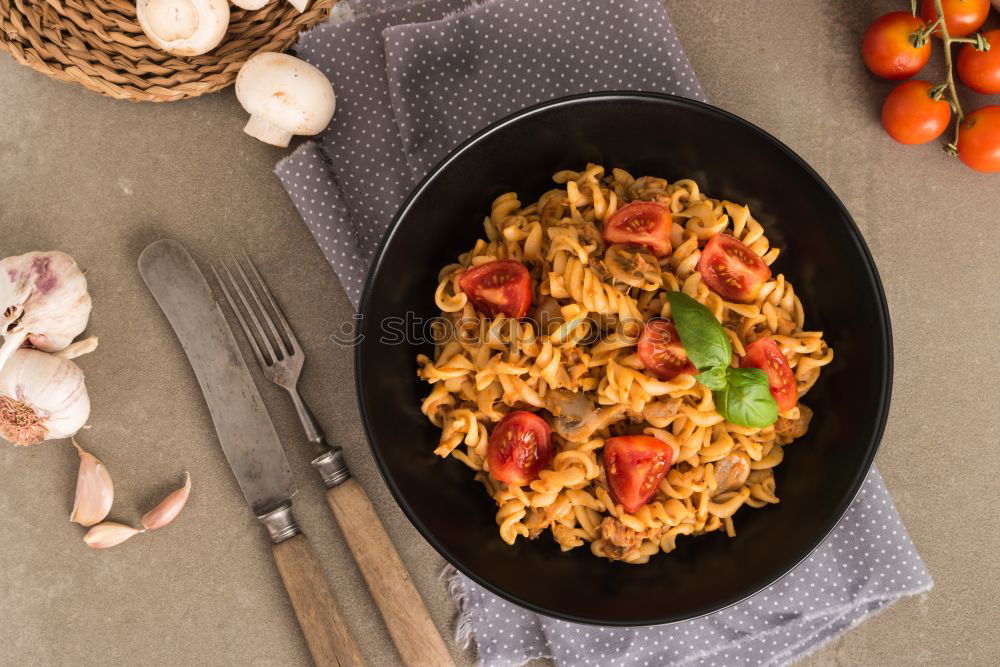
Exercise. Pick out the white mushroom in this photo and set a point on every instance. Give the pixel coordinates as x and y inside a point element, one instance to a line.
<point>730,473</point>
<point>284,96</point>
<point>251,4</point>
<point>576,418</point>
<point>184,27</point>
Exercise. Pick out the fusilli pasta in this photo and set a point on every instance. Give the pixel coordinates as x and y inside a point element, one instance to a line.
<point>574,361</point>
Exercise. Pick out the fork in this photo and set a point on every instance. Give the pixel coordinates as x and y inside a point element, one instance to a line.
<point>281,360</point>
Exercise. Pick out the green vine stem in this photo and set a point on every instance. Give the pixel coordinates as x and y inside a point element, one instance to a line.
<point>920,37</point>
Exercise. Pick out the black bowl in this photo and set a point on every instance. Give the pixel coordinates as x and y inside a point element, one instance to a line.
<point>823,255</point>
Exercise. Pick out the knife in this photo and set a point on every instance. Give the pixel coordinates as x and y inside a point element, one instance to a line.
<point>250,443</point>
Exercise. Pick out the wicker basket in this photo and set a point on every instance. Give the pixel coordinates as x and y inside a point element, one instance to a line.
<point>98,44</point>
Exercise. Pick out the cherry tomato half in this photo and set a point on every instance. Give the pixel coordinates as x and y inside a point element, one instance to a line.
<point>635,465</point>
<point>643,223</point>
<point>980,70</point>
<point>764,354</point>
<point>961,17</point>
<point>661,351</point>
<point>979,139</point>
<point>520,446</point>
<point>887,50</point>
<point>732,270</point>
<point>911,116</point>
<point>500,286</point>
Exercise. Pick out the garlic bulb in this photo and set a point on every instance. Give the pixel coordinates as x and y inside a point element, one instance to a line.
<point>43,300</point>
<point>109,534</point>
<point>169,507</point>
<point>42,397</point>
<point>94,490</point>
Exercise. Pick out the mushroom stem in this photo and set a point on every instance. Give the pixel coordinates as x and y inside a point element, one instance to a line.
<point>269,133</point>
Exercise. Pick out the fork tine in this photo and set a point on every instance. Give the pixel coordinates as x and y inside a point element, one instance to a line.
<point>267,316</point>
<point>239,316</point>
<point>253,316</point>
<point>274,305</point>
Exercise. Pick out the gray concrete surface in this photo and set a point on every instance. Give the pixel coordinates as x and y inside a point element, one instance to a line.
<point>100,179</point>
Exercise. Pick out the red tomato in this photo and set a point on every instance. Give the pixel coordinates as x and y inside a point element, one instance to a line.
<point>520,446</point>
<point>661,352</point>
<point>732,270</point>
<point>911,116</point>
<point>980,70</point>
<point>979,139</point>
<point>635,465</point>
<point>961,17</point>
<point>500,286</point>
<point>886,48</point>
<point>644,223</point>
<point>764,354</point>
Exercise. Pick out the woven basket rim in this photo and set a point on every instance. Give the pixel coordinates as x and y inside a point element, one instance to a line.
<point>98,44</point>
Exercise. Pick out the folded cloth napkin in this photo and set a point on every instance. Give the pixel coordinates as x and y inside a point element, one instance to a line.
<point>413,82</point>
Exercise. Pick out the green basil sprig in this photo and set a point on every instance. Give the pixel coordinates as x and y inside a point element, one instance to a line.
<point>742,395</point>
<point>747,398</point>
<point>705,342</point>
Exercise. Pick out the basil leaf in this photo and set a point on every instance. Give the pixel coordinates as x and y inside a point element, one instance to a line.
<point>747,398</point>
<point>704,339</point>
<point>742,377</point>
<point>713,378</point>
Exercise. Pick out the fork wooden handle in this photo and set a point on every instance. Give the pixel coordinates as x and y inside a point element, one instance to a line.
<point>410,626</point>
<point>320,618</point>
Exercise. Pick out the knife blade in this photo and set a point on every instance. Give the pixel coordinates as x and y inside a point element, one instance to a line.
<point>250,444</point>
<point>241,421</point>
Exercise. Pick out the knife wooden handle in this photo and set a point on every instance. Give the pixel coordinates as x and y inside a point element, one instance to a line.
<point>320,618</point>
<point>410,626</point>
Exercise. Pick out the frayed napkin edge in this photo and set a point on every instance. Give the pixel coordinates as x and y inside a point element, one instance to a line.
<point>794,653</point>
<point>465,636</point>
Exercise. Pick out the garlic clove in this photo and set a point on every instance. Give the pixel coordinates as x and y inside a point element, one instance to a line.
<point>44,302</point>
<point>169,507</point>
<point>299,4</point>
<point>78,349</point>
<point>109,534</point>
<point>42,398</point>
<point>94,490</point>
<point>250,4</point>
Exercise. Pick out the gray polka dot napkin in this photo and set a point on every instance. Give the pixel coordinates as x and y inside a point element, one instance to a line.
<point>413,81</point>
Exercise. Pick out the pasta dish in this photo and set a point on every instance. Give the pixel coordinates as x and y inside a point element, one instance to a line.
<point>618,365</point>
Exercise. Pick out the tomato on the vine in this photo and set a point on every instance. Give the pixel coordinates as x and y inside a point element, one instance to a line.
<point>979,139</point>
<point>961,17</point>
<point>980,70</point>
<point>911,116</point>
<point>887,49</point>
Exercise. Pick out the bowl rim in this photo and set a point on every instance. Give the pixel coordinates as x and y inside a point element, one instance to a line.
<point>701,107</point>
